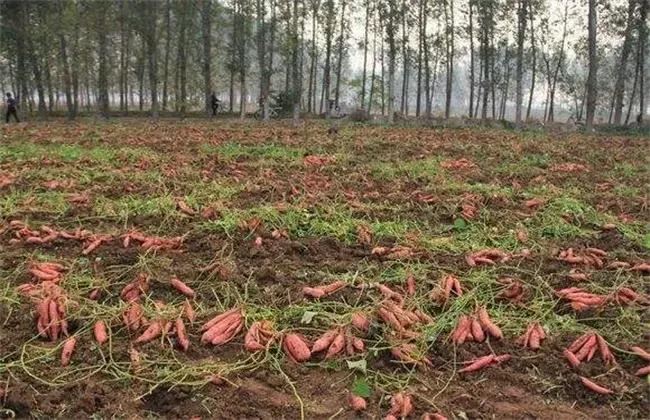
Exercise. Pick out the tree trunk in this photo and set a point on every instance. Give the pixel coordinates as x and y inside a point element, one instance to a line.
<point>521,30</point>
<point>312,57</point>
<point>261,51</point>
<point>619,86</point>
<point>242,58</point>
<point>551,106</point>
<point>102,83</point>
<point>405,57</point>
<point>643,38</point>
<point>269,71</point>
<point>485,60</point>
<point>534,58</point>
<point>329,28</point>
<point>427,66</point>
<point>471,58</point>
<point>207,54</point>
<point>374,61</point>
<point>297,77</point>
<point>449,19</point>
<point>365,54</point>
<point>168,38</point>
<point>123,97</point>
<point>390,35</point>
<point>593,66</point>
<point>182,66</point>
<point>339,63</point>
<point>421,35</point>
<point>634,84</point>
<point>152,54</point>
<point>67,82</point>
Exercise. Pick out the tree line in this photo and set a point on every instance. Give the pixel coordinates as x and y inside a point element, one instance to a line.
<point>477,58</point>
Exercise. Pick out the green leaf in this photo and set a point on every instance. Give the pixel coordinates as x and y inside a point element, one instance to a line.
<point>307,317</point>
<point>460,224</point>
<point>359,364</point>
<point>646,241</point>
<point>361,388</point>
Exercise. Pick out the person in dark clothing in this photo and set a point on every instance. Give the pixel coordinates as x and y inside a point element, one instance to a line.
<point>11,108</point>
<point>215,104</point>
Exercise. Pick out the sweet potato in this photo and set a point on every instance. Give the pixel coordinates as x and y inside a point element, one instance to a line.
<point>583,352</point>
<point>182,287</point>
<point>296,348</point>
<point>361,321</point>
<point>188,311</point>
<point>478,364</point>
<point>313,292</point>
<point>477,331</point>
<point>333,287</point>
<point>324,341</point>
<point>219,318</point>
<point>101,336</point>
<point>578,343</point>
<point>641,353</point>
<point>410,285</point>
<point>66,351</point>
<point>644,371</point>
<point>336,346</point>
<point>433,416</point>
<point>183,341</point>
<point>605,353</point>
<point>595,387</point>
<point>356,402</point>
<point>571,358</point>
<point>152,332</point>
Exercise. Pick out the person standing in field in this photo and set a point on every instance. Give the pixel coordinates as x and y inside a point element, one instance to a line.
<point>215,104</point>
<point>11,109</point>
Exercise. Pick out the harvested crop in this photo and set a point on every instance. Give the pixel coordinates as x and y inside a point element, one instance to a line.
<point>67,350</point>
<point>481,362</point>
<point>487,324</point>
<point>581,299</point>
<point>184,208</point>
<point>400,405</point>
<point>487,257</point>
<point>410,285</point>
<point>444,289</point>
<point>181,335</point>
<point>409,353</point>
<point>364,235</point>
<point>585,347</point>
<point>320,291</point>
<point>258,336</point>
<point>356,402</point>
<point>296,347</point>
<point>223,328</point>
<point>188,311</point>
<point>361,321</point>
<point>182,287</point>
<point>532,337</point>
<point>626,296</point>
<point>324,341</point>
<point>101,336</point>
<point>591,385</point>
<point>641,353</point>
<point>514,290</point>
<point>153,331</point>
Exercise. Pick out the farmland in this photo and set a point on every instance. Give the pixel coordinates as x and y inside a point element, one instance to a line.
<point>389,238</point>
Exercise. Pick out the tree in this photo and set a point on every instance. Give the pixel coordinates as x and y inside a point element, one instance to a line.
<point>533,65</point>
<point>389,15</point>
<point>368,10</point>
<point>449,22</point>
<point>330,17</point>
<point>207,42</point>
<point>593,66</point>
<point>643,38</point>
<point>67,80</point>
<point>521,29</point>
<point>102,11</point>
<point>622,67</point>
<point>341,50</point>
<point>470,31</point>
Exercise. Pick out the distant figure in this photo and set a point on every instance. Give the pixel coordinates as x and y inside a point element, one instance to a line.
<point>215,102</point>
<point>11,108</point>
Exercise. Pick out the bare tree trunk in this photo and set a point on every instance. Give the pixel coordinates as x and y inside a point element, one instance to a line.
<point>103,52</point>
<point>471,58</point>
<point>480,84</point>
<point>449,19</point>
<point>374,61</point>
<point>182,61</point>
<point>168,37</point>
<point>421,34</point>
<point>152,53</point>
<point>551,106</point>
<point>329,29</point>
<point>485,60</point>
<point>521,30</point>
<point>632,93</point>
<point>123,94</point>
<point>297,78</point>
<point>405,57</point>
<point>261,52</point>
<point>339,63</point>
<point>269,73</point>
<point>619,86</point>
<point>242,57</point>
<point>534,60</point>
<point>392,49</point>
<point>643,38</point>
<point>427,66</point>
<point>207,54</point>
<point>67,82</point>
<point>367,6</point>
<point>593,66</point>
<point>312,56</point>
